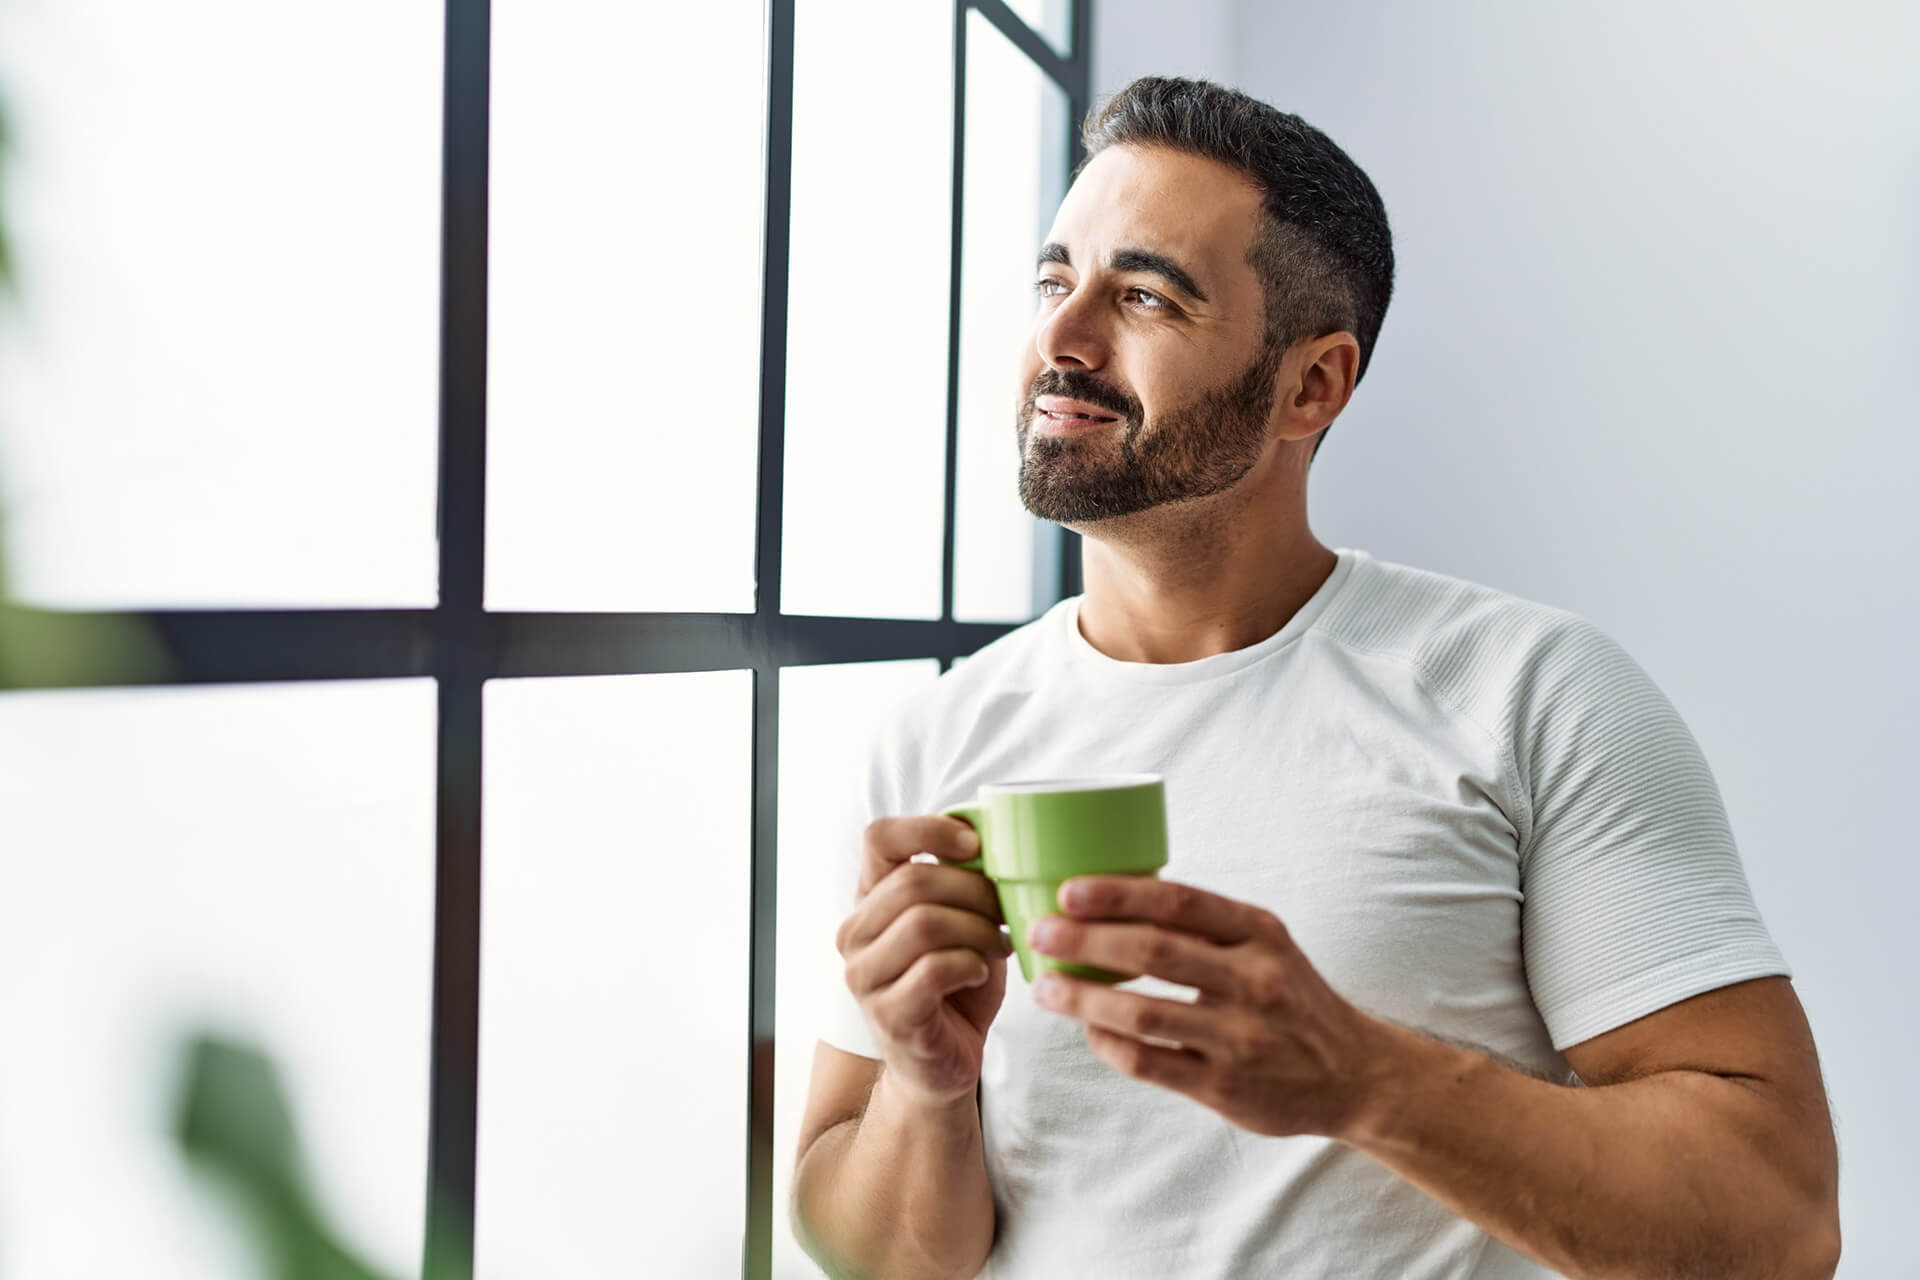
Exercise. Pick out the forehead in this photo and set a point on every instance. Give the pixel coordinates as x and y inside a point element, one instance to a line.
<point>1195,210</point>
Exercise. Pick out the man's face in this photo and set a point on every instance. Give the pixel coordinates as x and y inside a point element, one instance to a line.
<point>1150,318</point>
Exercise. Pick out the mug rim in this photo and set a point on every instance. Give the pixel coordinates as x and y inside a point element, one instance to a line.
<point>1095,782</point>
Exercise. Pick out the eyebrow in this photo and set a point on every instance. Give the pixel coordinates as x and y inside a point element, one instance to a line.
<point>1133,260</point>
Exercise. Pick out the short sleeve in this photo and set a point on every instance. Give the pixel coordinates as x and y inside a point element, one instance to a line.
<point>871,791</point>
<point>1633,895</point>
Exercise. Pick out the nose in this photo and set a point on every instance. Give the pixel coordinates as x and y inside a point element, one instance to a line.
<point>1070,333</point>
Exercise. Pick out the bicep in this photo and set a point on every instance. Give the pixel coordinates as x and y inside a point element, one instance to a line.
<point>1753,1029</point>
<point>1753,1034</point>
<point>837,1092</point>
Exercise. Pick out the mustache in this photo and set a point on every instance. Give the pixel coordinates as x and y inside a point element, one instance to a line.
<point>1081,387</point>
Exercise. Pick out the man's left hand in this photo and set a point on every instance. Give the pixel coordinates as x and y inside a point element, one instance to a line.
<point>1267,1043</point>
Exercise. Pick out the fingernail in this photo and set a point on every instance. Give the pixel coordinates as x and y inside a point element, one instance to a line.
<point>1043,934</point>
<point>1046,990</point>
<point>1073,895</point>
<point>970,840</point>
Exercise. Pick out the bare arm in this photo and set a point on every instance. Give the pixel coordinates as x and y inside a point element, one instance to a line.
<point>890,1178</point>
<point>1704,1150</point>
<point>901,1188</point>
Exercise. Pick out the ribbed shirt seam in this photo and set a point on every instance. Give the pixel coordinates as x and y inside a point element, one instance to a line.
<point>1509,771</point>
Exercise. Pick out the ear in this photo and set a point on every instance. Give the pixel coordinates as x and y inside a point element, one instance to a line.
<point>1324,371</point>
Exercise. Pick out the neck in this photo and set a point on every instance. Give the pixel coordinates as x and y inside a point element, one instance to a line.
<point>1182,583</point>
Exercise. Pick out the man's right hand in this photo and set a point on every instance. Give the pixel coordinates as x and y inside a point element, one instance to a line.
<point>925,955</point>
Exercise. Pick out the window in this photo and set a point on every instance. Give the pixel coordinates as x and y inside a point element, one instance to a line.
<point>666,509</point>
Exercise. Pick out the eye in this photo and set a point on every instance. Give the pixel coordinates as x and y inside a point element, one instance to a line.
<point>1046,284</point>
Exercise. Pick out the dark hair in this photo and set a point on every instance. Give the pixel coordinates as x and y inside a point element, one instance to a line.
<point>1324,254</point>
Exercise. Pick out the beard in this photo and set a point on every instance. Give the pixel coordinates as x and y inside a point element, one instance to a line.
<point>1193,451</point>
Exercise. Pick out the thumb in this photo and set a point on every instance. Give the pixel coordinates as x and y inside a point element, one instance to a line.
<point>978,1005</point>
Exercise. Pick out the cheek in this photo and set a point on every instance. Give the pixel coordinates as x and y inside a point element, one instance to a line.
<point>1027,368</point>
<point>1165,390</point>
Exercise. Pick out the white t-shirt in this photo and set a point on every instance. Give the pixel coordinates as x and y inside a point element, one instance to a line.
<point>1476,815</point>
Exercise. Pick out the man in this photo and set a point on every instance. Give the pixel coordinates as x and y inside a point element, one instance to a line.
<point>1454,971</point>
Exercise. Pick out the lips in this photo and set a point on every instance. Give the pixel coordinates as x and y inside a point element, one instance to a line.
<point>1063,409</point>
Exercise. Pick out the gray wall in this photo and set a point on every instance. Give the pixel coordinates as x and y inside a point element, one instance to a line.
<point>1654,356</point>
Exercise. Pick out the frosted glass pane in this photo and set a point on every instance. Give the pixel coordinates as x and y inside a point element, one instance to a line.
<point>218,384</point>
<point>254,860</point>
<point>1016,176</point>
<point>624,310</point>
<point>867,309</point>
<point>1051,18</point>
<point>827,715</point>
<point>614,967</point>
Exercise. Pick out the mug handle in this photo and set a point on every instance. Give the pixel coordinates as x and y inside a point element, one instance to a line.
<point>977,819</point>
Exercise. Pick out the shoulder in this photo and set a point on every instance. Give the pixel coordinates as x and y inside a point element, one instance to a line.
<point>1483,648</point>
<point>1555,692</point>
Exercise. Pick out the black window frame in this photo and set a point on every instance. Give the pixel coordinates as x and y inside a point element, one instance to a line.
<point>461,645</point>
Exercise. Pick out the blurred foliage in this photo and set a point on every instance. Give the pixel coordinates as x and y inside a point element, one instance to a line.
<point>53,650</point>
<point>231,1121</point>
<point>233,1125</point>
<point>44,649</point>
<point>6,255</point>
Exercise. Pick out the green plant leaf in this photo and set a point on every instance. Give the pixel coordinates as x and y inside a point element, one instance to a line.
<point>233,1124</point>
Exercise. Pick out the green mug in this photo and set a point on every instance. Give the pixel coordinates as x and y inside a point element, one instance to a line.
<point>1035,835</point>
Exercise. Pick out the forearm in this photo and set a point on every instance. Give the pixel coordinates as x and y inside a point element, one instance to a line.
<point>901,1191</point>
<point>1673,1174</point>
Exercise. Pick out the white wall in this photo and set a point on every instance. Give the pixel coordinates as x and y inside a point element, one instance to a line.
<point>1653,357</point>
<point>1158,38</point>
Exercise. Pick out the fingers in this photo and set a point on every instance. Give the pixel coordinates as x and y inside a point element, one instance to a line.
<point>911,1004</point>
<point>922,929</point>
<point>1179,1069</point>
<point>1140,948</point>
<point>1136,1016</point>
<point>911,883</point>
<point>1168,902</point>
<point>892,841</point>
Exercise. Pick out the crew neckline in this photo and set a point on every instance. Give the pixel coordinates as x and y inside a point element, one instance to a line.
<point>1088,658</point>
